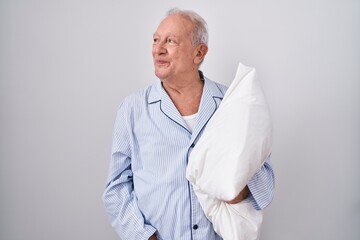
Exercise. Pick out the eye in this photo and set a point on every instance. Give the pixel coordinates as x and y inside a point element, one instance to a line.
<point>171,41</point>
<point>155,40</point>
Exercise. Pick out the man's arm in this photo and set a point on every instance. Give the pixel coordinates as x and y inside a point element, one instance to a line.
<point>119,198</point>
<point>260,188</point>
<point>242,195</point>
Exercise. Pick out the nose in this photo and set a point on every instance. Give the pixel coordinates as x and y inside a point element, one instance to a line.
<point>159,48</point>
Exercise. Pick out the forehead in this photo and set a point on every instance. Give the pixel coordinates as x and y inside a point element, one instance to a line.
<point>175,24</point>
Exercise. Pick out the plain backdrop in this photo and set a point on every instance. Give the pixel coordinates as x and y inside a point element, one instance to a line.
<point>65,65</point>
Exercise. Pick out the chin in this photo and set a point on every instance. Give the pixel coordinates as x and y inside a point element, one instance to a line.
<point>161,74</point>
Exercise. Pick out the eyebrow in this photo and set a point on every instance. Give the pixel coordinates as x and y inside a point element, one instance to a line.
<point>166,34</point>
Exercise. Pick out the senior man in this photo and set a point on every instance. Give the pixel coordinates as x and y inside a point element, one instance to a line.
<point>147,194</point>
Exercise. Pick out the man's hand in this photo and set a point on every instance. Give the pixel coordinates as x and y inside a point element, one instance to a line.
<point>153,237</point>
<point>242,195</point>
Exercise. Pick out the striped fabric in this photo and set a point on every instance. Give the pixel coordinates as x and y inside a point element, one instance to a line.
<point>147,190</point>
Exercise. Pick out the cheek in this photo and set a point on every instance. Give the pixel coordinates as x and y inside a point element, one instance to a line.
<point>189,55</point>
<point>188,59</point>
<point>183,56</point>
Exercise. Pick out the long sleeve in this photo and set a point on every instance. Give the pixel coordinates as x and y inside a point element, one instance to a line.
<point>119,197</point>
<point>262,186</point>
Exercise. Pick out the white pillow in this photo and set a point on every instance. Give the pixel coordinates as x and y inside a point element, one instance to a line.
<point>234,145</point>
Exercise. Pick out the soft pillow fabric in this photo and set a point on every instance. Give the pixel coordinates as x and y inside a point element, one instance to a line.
<point>234,145</point>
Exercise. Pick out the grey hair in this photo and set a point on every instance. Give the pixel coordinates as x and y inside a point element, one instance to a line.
<point>200,34</point>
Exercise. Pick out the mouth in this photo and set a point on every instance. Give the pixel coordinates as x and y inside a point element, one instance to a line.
<point>160,62</point>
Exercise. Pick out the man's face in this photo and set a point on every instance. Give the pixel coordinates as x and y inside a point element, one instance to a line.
<point>173,52</point>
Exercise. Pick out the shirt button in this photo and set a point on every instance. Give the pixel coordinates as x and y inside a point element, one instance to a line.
<point>195,227</point>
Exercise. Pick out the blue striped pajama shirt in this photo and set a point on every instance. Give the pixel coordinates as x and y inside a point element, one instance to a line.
<point>146,189</point>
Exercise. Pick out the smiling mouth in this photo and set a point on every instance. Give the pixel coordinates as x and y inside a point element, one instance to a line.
<point>161,62</point>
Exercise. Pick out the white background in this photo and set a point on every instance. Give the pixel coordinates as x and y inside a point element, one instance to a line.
<point>65,65</point>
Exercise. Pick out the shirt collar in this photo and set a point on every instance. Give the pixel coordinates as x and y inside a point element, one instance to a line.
<point>212,89</point>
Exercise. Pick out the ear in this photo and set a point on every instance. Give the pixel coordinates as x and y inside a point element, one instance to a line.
<point>201,51</point>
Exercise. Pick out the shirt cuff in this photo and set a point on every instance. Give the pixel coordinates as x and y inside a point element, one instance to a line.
<point>261,186</point>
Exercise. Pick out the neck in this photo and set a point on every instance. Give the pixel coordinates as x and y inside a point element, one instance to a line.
<point>186,85</point>
<point>185,93</point>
